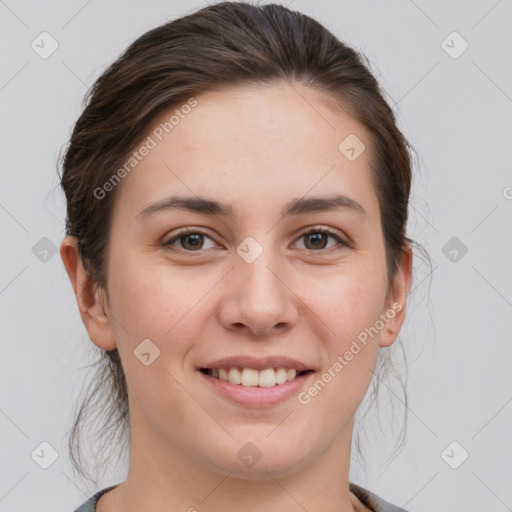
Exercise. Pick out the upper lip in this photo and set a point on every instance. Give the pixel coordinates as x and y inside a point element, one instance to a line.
<point>258,363</point>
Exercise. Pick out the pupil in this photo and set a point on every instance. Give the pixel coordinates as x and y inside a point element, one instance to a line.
<point>317,236</point>
<point>196,243</point>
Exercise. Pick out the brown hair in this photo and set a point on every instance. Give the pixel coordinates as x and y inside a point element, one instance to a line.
<point>225,44</point>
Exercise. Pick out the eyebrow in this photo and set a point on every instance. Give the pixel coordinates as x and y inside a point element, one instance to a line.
<point>299,206</point>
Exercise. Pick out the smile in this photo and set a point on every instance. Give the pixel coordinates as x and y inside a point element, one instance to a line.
<point>251,377</point>
<point>249,391</point>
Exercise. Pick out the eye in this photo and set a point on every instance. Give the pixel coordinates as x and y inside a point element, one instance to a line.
<point>189,240</point>
<point>192,240</point>
<point>317,239</point>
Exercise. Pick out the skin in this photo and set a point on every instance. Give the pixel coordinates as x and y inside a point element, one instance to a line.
<point>255,149</point>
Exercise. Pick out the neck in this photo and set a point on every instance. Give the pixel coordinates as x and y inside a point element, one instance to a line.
<point>164,477</point>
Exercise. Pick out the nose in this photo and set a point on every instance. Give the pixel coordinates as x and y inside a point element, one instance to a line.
<point>257,300</point>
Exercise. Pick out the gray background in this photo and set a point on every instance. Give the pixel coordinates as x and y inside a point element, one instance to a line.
<point>456,112</point>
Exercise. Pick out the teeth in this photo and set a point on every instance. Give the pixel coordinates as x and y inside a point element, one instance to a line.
<point>291,374</point>
<point>251,377</point>
<point>267,378</point>
<point>280,375</point>
<point>235,376</point>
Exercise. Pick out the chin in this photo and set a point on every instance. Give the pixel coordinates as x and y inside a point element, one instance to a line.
<point>260,455</point>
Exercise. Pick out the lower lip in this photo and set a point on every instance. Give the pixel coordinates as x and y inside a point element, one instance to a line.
<point>255,396</point>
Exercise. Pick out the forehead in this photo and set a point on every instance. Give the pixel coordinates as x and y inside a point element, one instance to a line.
<point>250,146</point>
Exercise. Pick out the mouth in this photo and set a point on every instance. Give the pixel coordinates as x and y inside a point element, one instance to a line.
<point>252,377</point>
<point>259,382</point>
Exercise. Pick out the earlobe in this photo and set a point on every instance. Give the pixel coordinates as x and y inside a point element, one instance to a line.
<point>396,300</point>
<point>91,300</point>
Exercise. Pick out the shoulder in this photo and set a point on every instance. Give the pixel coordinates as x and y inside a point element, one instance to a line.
<point>372,501</point>
<point>90,504</point>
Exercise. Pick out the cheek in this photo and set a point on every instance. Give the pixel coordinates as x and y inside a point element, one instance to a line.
<point>157,301</point>
<point>142,306</point>
<point>350,304</point>
<point>350,307</point>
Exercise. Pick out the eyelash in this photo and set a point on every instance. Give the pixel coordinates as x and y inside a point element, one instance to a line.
<point>187,231</point>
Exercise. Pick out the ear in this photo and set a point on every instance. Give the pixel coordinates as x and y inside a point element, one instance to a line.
<point>91,300</point>
<point>394,309</point>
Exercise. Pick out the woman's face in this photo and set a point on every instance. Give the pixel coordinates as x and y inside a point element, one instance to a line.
<point>248,282</point>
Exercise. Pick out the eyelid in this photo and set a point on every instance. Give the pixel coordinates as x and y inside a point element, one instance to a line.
<point>340,239</point>
<point>185,231</point>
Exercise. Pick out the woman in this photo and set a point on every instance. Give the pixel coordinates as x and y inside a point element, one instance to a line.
<point>237,194</point>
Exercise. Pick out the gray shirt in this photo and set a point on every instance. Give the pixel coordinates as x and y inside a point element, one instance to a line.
<point>372,501</point>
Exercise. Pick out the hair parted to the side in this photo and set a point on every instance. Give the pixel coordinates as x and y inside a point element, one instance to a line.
<point>222,45</point>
